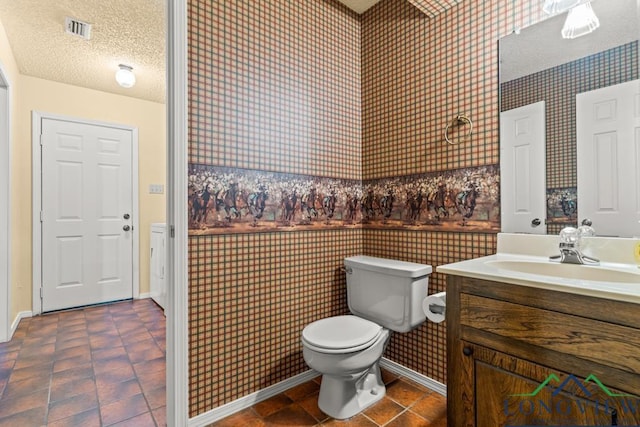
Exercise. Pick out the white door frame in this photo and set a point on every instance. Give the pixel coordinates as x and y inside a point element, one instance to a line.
<point>177,241</point>
<point>5,206</point>
<point>36,193</point>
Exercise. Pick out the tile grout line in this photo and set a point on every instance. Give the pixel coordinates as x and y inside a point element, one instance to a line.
<point>146,398</point>
<point>55,342</point>
<point>93,367</point>
<point>48,404</point>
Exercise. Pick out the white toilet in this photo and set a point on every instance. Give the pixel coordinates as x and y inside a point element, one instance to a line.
<point>383,295</point>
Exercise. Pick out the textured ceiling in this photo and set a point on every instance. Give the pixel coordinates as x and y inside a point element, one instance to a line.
<point>128,32</point>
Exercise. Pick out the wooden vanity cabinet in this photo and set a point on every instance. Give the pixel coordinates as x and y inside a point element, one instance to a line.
<point>523,356</point>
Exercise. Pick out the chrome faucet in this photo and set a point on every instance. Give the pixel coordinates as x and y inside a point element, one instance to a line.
<point>570,240</point>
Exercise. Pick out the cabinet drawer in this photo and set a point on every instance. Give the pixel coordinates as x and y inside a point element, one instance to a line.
<point>589,339</point>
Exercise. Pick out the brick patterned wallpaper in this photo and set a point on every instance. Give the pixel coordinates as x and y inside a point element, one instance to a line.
<point>424,348</point>
<point>273,86</point>
<point>433,8</point>
<point>250,296</point>
<point>307,87</point>
<point>417,75</point>
<point>418,72</point>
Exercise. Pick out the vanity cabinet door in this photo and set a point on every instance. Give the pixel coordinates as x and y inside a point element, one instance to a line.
<point>513,392</point>
<point>518,357</point>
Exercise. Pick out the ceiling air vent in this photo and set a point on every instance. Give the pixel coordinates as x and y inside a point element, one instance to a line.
<point>77,28</point>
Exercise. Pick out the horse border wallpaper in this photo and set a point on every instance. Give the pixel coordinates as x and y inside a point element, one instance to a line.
<point>233,200</point>
<point>562,205</point>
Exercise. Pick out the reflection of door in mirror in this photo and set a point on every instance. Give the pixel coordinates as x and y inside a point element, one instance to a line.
<point>558,87</point>
<point>608,149</point>
<point>522,169</point>
<point>537,64</point>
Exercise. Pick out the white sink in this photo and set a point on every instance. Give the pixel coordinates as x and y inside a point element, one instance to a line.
<point>524,260</point>
<point>567,271</point>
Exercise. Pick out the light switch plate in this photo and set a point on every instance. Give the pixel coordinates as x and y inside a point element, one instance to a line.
<point>156,189</point>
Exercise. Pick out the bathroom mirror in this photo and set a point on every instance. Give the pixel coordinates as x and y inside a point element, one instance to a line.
<point>538,66</point>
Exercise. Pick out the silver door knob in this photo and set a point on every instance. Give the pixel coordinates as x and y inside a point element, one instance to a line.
<point>126,228</point>
<point>587,222</point>
<point>536,222</point>
<point>126,216</point>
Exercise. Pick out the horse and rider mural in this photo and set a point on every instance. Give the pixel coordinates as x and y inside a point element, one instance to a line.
<point>562,205</point>
<point>231,200</point>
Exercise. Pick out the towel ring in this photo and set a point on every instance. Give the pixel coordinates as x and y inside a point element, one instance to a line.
<point>458,120</point>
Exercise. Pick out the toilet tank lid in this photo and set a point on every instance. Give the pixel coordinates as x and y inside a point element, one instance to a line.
<point>388,266</point>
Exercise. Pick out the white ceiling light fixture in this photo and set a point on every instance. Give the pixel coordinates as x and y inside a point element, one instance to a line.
<point>125,76</point>
<point>581,20</point>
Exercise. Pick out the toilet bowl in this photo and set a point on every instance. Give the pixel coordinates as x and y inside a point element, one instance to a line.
<point>383,295</point>
<point>347,351</point>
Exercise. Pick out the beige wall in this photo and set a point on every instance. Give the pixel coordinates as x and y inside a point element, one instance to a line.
<point>6,57</point>
<point>34,94</point>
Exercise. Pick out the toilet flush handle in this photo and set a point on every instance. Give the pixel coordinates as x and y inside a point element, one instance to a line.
<point>347,270</point>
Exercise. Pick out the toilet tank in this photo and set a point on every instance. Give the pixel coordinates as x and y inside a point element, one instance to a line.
<point>387,292</point>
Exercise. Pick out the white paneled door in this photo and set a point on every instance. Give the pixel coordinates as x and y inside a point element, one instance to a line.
<point>608,140</point>
<point>523,170</point>
<point>87,198</point>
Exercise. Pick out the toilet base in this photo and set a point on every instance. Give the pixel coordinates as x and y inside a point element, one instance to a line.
<point>342,397</point>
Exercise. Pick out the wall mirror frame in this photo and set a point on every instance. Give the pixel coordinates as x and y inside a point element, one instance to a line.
<point>537,64</point>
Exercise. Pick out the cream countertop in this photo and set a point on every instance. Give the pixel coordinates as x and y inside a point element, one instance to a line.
<point>614,254</point>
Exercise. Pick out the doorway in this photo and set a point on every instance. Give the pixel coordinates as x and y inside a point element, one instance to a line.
<point>177,311</point>
<point>85,228</point>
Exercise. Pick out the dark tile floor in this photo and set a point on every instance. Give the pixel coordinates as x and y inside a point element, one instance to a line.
<point>105,366</point>
<point>96,366</point>
<point>406,404</point>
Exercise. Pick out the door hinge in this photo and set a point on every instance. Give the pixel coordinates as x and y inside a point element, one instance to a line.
<point>41,139</point>
<point>41,216</point>
<point>41,293</point>
<point>172,231</point>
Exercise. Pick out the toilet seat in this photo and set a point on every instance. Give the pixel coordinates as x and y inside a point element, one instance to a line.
<point>341,334</point>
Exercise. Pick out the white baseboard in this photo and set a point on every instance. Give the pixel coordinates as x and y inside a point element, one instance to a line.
<point>250,400</point>
<point>144,295</point>
<point>423,380</point>
<point>21,315</point>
